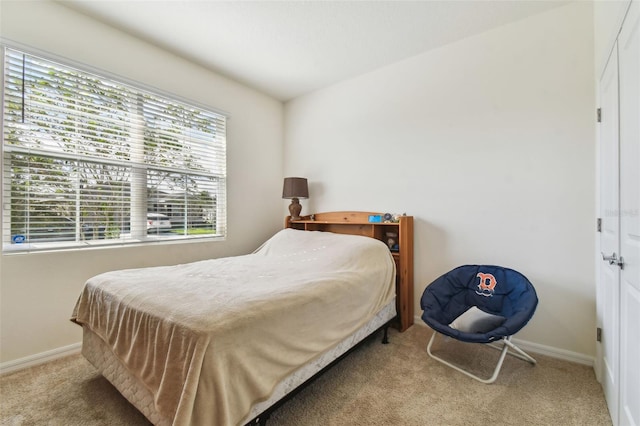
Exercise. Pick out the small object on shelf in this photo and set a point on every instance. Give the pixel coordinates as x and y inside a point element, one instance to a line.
<point>392,241</point>
<point>375,218</point>
<point>397,216</point>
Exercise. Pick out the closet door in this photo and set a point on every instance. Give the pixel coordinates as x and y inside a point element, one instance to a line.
<point>629,81</point>
<point>608,289</point>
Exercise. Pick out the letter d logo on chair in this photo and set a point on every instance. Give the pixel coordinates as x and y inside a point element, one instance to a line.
<point>487,284</point>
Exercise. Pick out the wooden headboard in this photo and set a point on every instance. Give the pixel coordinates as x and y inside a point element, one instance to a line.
<point>372,224</point>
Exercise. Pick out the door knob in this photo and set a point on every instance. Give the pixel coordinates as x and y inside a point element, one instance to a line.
<point>613,260</point>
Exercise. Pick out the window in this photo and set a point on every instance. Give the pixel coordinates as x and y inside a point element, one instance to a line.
<point>91,161</point>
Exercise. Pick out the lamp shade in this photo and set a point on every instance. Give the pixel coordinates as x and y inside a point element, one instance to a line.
<point>295,187</point>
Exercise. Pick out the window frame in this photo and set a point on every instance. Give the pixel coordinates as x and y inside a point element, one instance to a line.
<point>219,205</point>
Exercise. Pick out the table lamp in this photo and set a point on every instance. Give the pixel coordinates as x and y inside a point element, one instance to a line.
<point>295,188</point>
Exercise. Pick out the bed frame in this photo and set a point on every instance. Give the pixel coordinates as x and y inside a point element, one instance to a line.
<point>374,225</point>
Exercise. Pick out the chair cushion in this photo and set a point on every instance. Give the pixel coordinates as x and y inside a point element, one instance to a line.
<point>473,320</point>
<point>492,289</point>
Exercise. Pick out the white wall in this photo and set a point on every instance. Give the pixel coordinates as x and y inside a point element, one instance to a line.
<point>489,143</point>
<point>38,291</point>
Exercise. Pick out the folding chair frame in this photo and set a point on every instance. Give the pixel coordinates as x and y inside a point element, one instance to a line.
<point>504,350</point>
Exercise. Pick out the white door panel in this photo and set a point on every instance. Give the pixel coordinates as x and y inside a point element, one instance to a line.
<point>630,351</point>
<point>609,342</point>
<point>629,83</point>
<point>609,276</point>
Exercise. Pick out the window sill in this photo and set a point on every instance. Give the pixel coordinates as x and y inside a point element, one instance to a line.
<point>40,247</point>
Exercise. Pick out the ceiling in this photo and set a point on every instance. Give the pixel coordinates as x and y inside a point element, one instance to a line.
<point>289,48</point>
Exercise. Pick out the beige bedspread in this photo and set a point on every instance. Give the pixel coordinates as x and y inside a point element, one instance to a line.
<point>210,338</point>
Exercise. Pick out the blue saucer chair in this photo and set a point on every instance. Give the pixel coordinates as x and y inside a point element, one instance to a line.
<point>480,304</point>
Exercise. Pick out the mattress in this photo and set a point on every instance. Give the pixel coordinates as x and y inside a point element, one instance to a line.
<point>96,351</point>
<point>225,332</point>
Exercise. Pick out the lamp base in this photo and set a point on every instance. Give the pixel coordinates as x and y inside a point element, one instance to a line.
<point>295,208</point>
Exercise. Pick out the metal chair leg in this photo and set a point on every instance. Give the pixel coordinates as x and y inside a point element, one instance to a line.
<point>503,353</point>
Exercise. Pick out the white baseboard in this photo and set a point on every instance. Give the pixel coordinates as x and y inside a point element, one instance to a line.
<point>555,352</point>
<point>541,349</point>
<point>41,358</point>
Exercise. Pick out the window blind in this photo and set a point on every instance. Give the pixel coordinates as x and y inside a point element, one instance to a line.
<point>88,160</point>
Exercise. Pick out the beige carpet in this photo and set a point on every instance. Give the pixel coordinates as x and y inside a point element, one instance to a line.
<point>394,384</point>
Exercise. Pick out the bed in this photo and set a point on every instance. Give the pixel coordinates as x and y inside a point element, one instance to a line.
<point>220,341</point>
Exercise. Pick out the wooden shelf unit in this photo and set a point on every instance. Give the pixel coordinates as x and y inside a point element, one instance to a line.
<point>357,223</point>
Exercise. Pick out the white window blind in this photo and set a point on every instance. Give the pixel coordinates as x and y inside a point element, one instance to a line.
<point>88,161</point>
